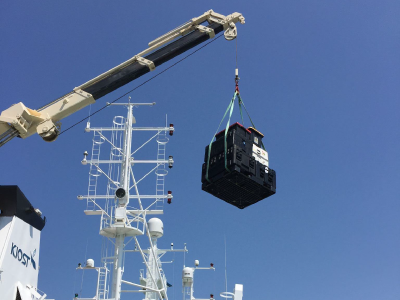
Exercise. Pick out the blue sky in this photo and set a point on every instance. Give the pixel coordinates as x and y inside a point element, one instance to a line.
<point>321,82</point>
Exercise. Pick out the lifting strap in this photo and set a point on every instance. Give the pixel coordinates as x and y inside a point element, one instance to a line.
<point>230,109</point>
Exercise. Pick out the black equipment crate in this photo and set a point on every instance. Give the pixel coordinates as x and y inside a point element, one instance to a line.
<point>248,180</point>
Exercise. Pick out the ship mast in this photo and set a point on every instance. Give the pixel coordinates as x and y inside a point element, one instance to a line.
<point>122,199</point>
<point>123,211</point>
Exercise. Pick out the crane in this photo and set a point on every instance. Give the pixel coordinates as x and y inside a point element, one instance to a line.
<point>19,120</point>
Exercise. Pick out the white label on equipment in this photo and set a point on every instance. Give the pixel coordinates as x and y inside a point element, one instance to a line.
<point>260,155</point>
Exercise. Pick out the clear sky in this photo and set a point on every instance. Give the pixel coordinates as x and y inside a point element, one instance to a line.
<point>320,80</point>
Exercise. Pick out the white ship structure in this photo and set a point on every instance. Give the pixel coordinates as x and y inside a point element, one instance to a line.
<point>20,228</point>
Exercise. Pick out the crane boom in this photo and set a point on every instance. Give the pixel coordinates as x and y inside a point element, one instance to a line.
<point>19,120</point>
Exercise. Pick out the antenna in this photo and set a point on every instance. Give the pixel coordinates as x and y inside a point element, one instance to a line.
<point>226,276</point>
<point>184,257</point>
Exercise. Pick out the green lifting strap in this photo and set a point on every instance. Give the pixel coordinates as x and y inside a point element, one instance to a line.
<point>230,109</point>
<point>226,130</point>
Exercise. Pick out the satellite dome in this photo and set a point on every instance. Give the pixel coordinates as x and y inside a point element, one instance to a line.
<point>90,263</point>
<point>156,227</point>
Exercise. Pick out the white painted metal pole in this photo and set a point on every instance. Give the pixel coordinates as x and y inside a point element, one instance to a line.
<point>117,272</point>
<point>152,277</point>
<point>125,180</point>
<point>152,295</point>
<point>191,289</point>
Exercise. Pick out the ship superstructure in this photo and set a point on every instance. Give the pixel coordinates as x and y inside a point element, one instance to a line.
<point>20,229</point>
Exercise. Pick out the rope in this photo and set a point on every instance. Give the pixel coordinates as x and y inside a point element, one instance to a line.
<point>173,65</point>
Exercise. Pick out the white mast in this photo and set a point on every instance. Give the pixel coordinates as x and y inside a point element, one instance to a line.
<point>118,220</point>
<point>122,202</point>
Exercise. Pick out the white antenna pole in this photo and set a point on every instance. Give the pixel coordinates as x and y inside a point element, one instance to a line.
<point>153,265</point>
<point>121,206</point>
<point>125,176</point>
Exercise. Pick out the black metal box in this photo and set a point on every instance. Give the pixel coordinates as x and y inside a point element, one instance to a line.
<point>245,179</point>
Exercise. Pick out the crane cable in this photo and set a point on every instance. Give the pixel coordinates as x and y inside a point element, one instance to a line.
<point>237,84</point>
<point>173,65</point>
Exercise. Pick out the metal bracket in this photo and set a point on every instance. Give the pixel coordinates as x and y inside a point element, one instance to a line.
<point>207,30</point>
<point>145,62</point>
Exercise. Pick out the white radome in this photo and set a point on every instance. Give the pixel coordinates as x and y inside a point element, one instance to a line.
<point>156,227</point>
<point>90,263</point>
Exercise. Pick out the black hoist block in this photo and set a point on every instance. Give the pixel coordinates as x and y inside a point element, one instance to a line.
<point>244,178</point>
